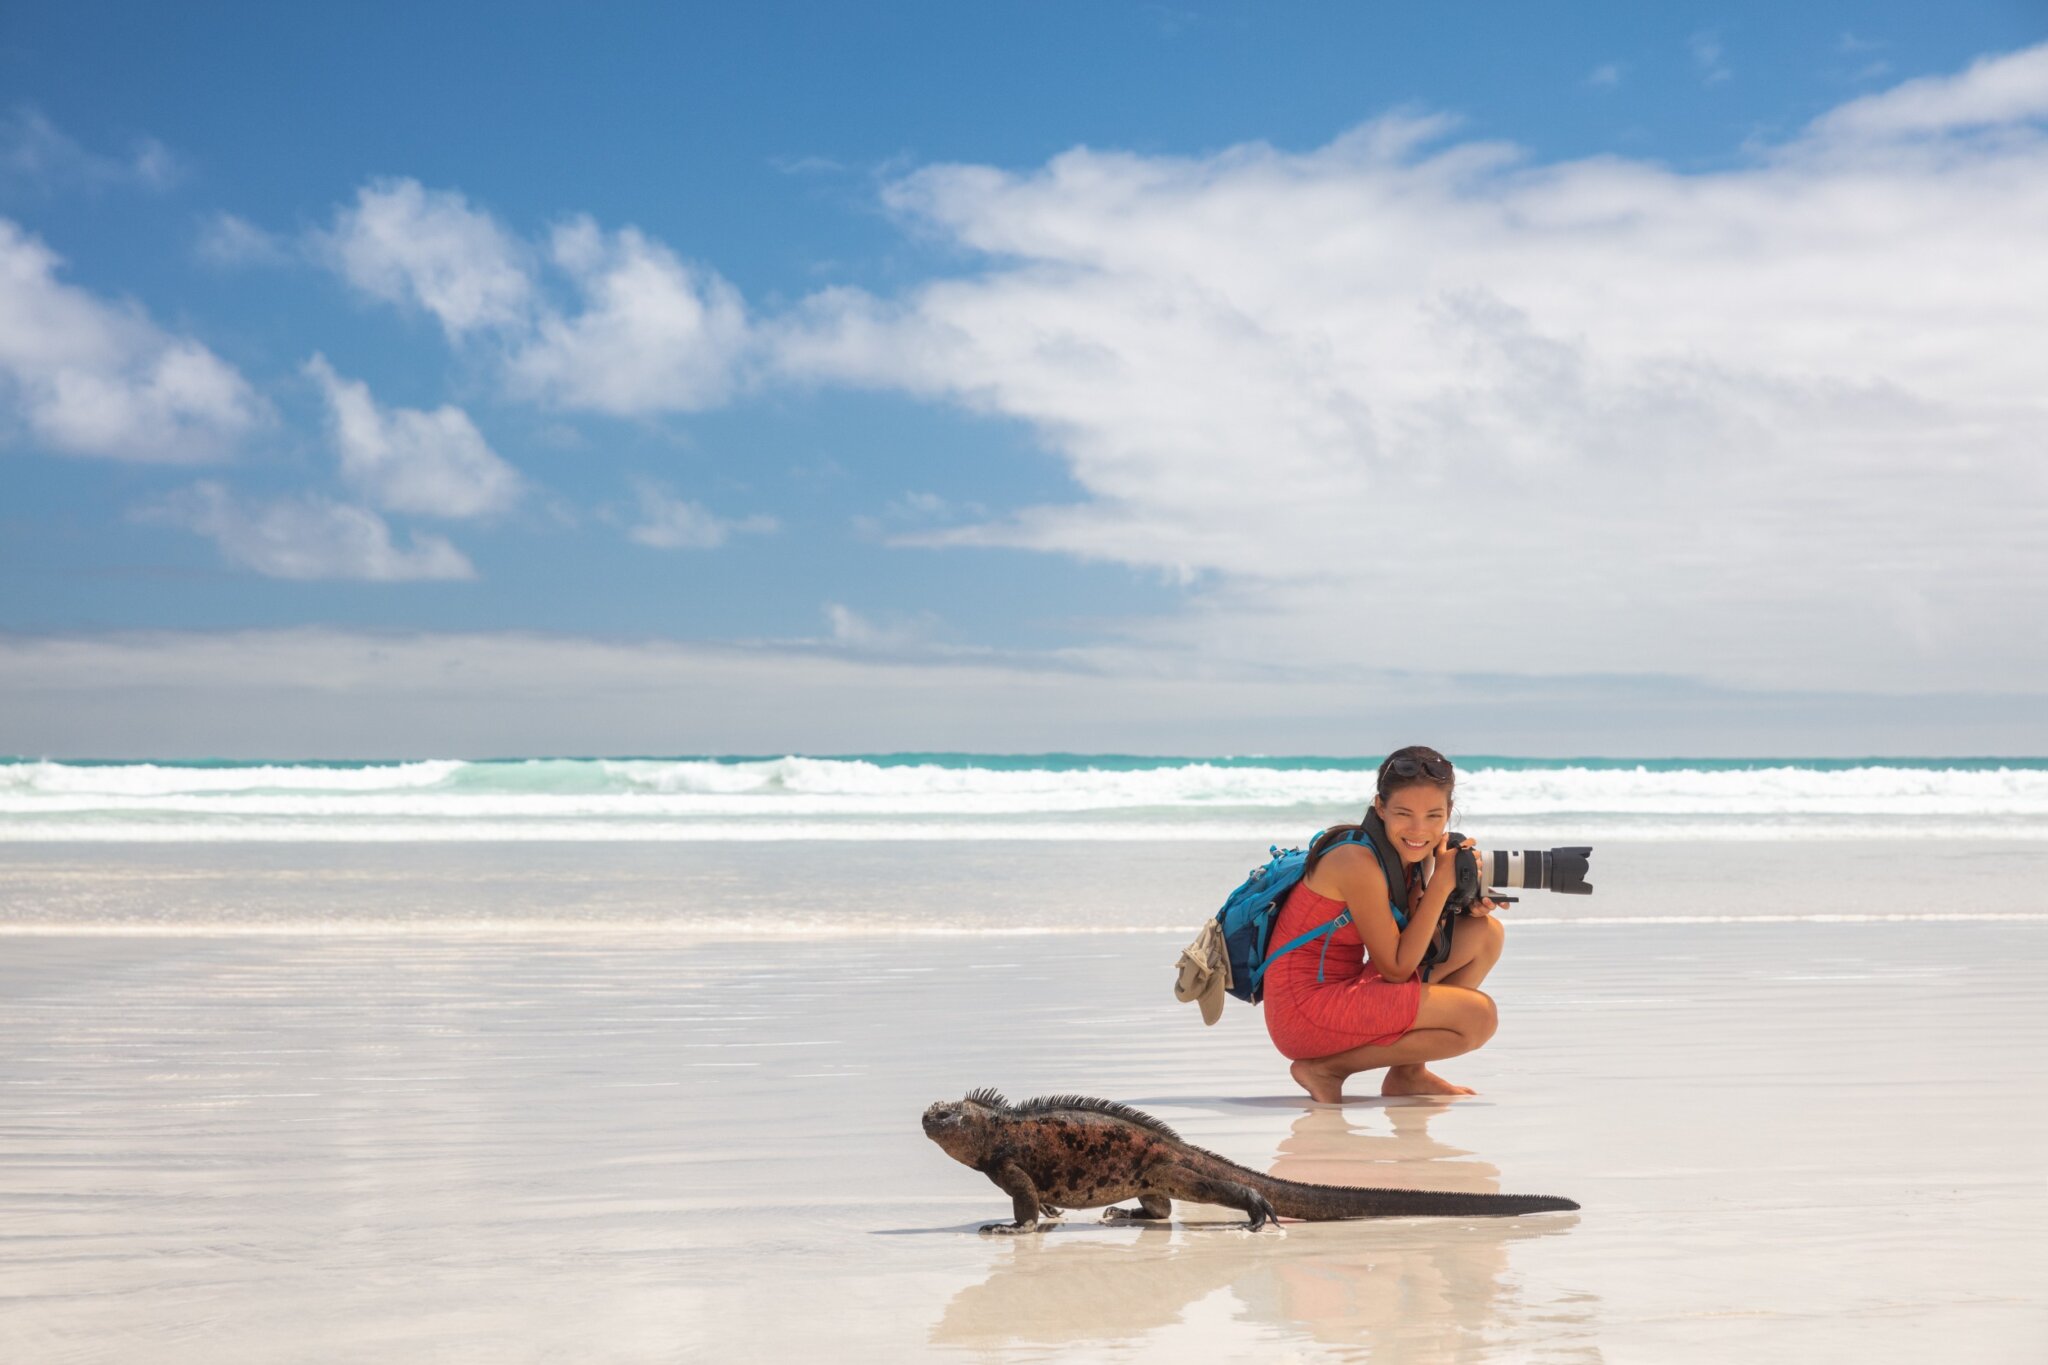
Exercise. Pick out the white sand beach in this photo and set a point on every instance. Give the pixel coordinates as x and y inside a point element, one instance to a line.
<point>231,1138</point>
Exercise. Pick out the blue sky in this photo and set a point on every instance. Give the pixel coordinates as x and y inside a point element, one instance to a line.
<point>1597,378</point>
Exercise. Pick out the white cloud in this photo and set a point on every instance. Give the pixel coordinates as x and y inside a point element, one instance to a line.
<point>1708,57</point>
<point>808,165</point>
<point>1607,75</point>
<point>229,241</point>
<point>90,377</point>
<point>2007,88</point>
<point>655,334</point>
<point>308,537</point>
<point>914,517</point>
<point>1776,426</point>
<point>35,151</point>
<point>854,630</point>
<point>667,522</point>
<point>413,246</point>
<point>405,460</point>
<point>154,165</point>
<point>916,507</point>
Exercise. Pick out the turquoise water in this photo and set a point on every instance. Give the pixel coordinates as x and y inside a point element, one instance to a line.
<point>1000,796</point>
<point>1073,762</point>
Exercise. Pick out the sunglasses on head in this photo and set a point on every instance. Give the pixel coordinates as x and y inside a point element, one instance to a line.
<point>1435,769</point>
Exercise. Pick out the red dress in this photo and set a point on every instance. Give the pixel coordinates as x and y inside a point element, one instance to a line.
<point>1351,1006</point>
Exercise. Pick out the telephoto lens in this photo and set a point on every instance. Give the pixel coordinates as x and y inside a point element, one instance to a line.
<point>1556,869</point>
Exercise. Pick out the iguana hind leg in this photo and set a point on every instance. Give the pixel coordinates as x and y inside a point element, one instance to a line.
<point>1207,1189</point>
<point>1150,1207</point>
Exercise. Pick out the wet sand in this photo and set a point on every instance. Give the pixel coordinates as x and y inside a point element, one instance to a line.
<point>831,888</point>
<point>1792,1141</point>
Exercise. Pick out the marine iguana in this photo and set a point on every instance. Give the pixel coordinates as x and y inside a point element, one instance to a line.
<point>1083,1153</point>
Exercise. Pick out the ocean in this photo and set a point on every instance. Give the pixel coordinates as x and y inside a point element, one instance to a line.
<point>1041,797</point>
<point>828,846</point>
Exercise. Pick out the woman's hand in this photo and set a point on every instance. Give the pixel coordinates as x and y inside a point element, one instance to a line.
<point>1444,863</point>
<point>1446,866</point>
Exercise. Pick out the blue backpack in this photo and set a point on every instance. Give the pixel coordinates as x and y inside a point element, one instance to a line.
<point>1251,911</point>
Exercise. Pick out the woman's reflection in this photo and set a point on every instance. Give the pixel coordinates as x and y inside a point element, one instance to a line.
<point>1329,1145</point>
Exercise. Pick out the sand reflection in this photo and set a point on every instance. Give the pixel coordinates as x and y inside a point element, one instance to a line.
<point>1428,1288</point>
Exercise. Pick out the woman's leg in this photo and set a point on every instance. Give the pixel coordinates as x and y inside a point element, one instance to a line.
<point>1476,942</point>
<point>1475,946</point>
<point>1450,1020</point>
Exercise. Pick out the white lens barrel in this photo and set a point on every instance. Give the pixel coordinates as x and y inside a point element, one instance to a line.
<point>1515,869</point>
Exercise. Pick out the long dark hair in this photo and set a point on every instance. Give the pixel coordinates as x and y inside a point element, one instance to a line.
<point>1418,764</point>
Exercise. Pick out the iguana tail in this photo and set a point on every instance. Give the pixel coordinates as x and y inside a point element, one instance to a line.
<point>1319,1203</point>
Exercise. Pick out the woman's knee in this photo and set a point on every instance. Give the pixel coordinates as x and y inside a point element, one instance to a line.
<point>1483,1019</point>
<point>1472,1014</point>
<point>1492,936</point>
<point>1477,939</point>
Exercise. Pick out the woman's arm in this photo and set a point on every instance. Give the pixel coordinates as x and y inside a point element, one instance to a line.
<point>1351,874</point>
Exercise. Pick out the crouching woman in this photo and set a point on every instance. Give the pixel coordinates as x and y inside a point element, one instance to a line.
<point>1368,1002</point>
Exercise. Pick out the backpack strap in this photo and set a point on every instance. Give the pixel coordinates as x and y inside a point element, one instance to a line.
<point>1325,931</point>
<point>1382,845</point>
<point>1372,832</point>
<point>1320,931</point>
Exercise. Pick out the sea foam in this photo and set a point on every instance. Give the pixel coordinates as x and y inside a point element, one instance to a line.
<point>965,796</point>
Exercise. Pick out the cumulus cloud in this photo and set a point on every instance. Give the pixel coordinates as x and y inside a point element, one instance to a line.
<point>655,334</point>
<point>405,460</point>
<point>667,522</point>
<point>412,246</point>
<point>1773,425</point>
<point>649,333</point>
<point>92,377</point>
<point>308,537</point>
<point>1999,89</point>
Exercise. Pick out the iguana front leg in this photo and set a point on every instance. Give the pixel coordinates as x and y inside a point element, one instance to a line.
<point>1016,1182</point>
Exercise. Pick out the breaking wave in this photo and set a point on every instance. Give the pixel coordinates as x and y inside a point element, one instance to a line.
<point>979,796</point>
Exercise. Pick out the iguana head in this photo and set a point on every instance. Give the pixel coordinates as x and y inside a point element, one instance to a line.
<point>962,1126</point>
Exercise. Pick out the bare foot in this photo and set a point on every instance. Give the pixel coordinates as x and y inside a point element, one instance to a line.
<point>1416,1079</point>
<point>1324,1087</point>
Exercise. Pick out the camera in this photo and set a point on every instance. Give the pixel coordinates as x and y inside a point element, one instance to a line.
<point>1556,869</point>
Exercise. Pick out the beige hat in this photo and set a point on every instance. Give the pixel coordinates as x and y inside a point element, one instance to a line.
<point>1204,968</point>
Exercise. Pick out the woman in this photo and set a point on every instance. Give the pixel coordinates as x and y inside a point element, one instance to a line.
<point>1363,1004</point>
